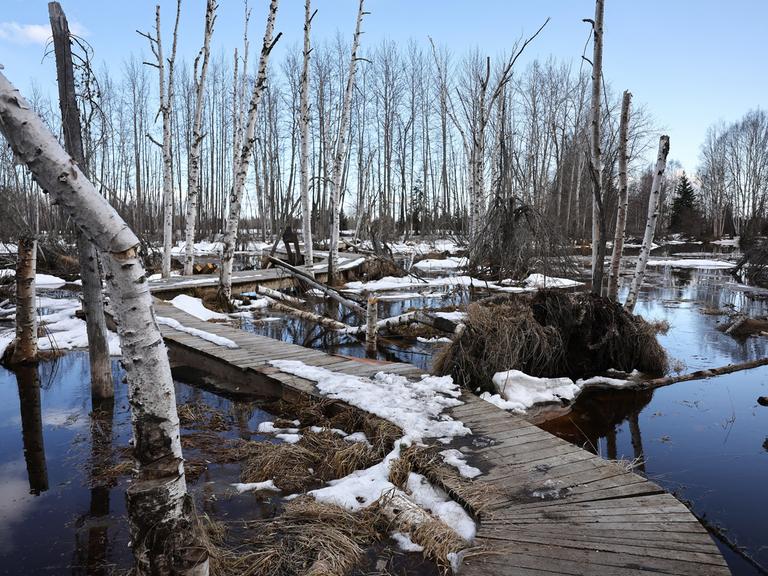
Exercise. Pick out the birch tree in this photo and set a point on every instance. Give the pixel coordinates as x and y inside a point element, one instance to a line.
<point>24,346</point>
<point>162,534</point>
<point>166,111</point>
<point>242,162</point>
<point>654,202</point>
<point>306,202</point>
<point>595,158</point>
<point>621,212</point>
<point>341,149</point>
<point>93,304</point>
<point>193,169</point>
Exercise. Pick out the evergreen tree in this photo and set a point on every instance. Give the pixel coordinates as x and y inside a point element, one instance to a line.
<point>684,206</point>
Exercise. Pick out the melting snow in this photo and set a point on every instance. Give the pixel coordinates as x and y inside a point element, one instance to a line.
<point>215,338</point>
<point>195,307</point>
<point>456,459</point>
<point>268,485</point>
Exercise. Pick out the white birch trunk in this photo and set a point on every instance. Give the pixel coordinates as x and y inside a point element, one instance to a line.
<point>323,321</point>
<point>25,345</point>
<point>596,154</point>
<point>193,170</point>
<point>157,498</point>
<point>370,326</point>
<point>243,161</point>
<point>341,150</point>
<point>650,225</point>
<point>306,202</point>
<point>621,213</point>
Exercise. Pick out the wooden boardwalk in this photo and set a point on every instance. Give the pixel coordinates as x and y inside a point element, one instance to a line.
<point>244,280</point>
<point>557,509</point>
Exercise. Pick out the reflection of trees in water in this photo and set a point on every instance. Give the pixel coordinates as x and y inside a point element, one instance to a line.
<point>92,537</point>
<point>28,381</point>
<point>597,415</point>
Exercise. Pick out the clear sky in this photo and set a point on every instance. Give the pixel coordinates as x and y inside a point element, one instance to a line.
<point>691,62</point>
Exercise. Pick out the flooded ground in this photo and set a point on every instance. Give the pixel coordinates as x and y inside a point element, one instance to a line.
<point>61,510</point>
<point>706,441</point>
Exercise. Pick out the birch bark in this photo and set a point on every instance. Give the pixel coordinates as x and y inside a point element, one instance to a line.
<point>306,204</point>
<point>243,161</point>
<point>193,170</point>
<point>650,225</point>
<point>341,151</point>
<point>621,213</point>
<point>596,153</point>
<point>25,344</point>
<point>163,537</point>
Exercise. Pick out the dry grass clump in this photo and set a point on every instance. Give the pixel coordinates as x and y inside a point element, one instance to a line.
<point>548,334</point>
<point>318,456</point>
<point>309,538</point>
<point>200,415</point>
<point>426,461</point>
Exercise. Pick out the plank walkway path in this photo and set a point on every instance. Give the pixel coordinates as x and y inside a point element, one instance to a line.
<point>557,509</point>
<point>243,280</point>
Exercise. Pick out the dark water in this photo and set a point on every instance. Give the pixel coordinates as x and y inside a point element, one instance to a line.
<point>706,441</point>
<point>391,348</point>
<point>56,515</point>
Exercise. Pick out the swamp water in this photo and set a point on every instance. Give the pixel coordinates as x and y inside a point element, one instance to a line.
<point>62,487</point>
<point>706,441</point>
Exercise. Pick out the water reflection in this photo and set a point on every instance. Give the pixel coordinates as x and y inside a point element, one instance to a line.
<point>28,381</point>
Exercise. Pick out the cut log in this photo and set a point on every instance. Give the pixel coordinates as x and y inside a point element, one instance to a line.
<point>329,323</point>
<point>700,374</point>
<point>277,295</point>
<point>406,318</point>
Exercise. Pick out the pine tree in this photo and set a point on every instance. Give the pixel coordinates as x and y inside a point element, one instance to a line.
<point>684,206</point>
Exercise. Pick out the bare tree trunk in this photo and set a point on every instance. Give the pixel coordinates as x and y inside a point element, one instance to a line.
<point>596,153</point>
<point>193,170</point>
<point>163,537</point>
<point>98,346</point>
<point>166,109</point>
<point>243,161</point>
<point>323,321</point>
<point>621,213</point>
<point>341,150</point>
<point>650,225</point>
<point>25,345</point>
<point>370,326</point>
<point>306,203</point>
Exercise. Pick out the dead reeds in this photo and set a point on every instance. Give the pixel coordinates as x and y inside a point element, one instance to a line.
<point>548,334</point>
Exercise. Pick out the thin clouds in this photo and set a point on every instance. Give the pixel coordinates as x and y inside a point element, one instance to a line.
<point>25,34</point>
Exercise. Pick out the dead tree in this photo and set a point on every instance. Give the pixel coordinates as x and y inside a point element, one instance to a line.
<point>306,201</point>
<point>596,153</point>
<point>164,540</point>
<point>166,111</point>
<point>654,202</point>
<point>341,150</point>
<point>243,160</point>
<point>621,213</point>
<point>193,170</point>
<point>24,347</point>
<point>93,302</point>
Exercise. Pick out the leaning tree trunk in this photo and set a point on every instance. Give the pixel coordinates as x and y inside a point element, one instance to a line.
<point>243,161</point>
<point>341,151</point>
<point>621,213</point>
<point>162,534</point>
<point>25,345</point>
<point>193,171</point>
<point>650,225</point>
<point>306,201</point>
<point>596,153</point>
<point>93,303</point>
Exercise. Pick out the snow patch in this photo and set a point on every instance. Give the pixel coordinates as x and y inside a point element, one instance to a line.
<point>456,459</point>
<point>195,307</point>
<point>267,485</point>
<point>214,338</point>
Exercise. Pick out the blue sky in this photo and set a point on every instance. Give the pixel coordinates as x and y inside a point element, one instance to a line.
<point>691,62</point>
